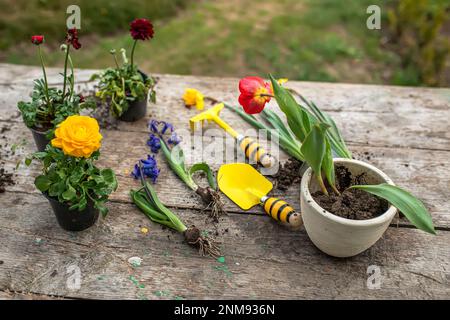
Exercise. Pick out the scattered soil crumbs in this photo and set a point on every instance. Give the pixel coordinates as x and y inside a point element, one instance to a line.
<point>6,179</point>
<point>351,203</point>
<point>288,174</point>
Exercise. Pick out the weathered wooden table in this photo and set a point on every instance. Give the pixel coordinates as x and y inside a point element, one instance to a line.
<point>403,131</point>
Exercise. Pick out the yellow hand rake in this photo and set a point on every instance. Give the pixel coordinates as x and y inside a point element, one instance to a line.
<point>251,148</point>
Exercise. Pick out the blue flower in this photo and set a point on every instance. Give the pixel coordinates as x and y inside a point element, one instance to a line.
<point>154,143</point>
<point>174,139</point>
<point>149,169</point>
<point>166,126</point>
<point>155,125</point>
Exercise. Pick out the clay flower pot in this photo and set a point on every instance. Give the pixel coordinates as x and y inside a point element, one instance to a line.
<point>40,139</point>
<point>337,236</point>
<point>73,220</point>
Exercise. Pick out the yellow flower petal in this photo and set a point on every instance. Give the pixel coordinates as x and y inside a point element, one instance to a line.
<point>78,136</point>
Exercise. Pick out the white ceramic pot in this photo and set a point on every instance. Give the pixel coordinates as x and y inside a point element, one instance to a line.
<point>337,236</point>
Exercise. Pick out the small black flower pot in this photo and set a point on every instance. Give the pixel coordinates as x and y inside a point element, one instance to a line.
<point>73,220</point>
<point>40,139</point>
<point>136,110</point>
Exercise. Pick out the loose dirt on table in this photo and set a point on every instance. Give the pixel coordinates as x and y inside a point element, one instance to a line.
<point>352,204</point>
<point>288,174</point>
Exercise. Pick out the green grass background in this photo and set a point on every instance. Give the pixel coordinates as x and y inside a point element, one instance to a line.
<point>318,40</point>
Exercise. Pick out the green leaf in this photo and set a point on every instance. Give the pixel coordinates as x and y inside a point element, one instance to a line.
<point>207,170</point>
<point>410,206</point>
<point>43,183</point>
<point>70,193</point>
<point>110,178</point>
<point>314,148</point>
<point>294,114</point>
<point>328,165</point>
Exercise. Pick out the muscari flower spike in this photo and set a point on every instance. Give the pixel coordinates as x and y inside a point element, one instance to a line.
<point>149,169</point>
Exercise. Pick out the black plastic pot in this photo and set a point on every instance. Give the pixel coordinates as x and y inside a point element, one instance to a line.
<point>40,139</point>
<point>73,220</point>
<point>136,109</point>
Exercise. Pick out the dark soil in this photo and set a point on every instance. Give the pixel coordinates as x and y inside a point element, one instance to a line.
<point>351,203</point>
<point>6,179</point>
<point>288,174</point>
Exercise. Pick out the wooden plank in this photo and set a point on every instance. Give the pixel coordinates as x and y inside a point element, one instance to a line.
<point>262,259</point>
<point>368,115</point>
<point>425,173</point>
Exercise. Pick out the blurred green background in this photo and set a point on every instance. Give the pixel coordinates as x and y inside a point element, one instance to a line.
<point>317,40</point>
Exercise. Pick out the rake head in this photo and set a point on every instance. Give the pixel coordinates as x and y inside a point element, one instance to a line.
<point>209,115</point>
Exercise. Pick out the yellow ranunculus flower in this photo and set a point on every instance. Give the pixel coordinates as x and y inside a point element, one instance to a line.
<point>193,97</point>
<point>78,136</point>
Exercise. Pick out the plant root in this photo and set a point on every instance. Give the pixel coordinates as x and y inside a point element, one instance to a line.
<point>207,246</point>
<point>214,202</point>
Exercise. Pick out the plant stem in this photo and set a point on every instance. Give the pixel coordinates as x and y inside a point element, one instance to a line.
<point>321,184</point>
<point>72,82</point>
<point>45,75</point>
<point>65,70</point>
<point>115,60</point>
<point>132,51</point>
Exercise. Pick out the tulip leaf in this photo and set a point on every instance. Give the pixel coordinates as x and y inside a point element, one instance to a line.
<point>328,165</point>
<point>410,206</point>
<point>314,148</point>
<point>294,114</point>
<point>207,170</point>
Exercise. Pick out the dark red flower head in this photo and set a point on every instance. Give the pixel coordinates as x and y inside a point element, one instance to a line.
<point>37,40</point>
<point>81,98</point>
<point>141,29</point>
<point>255,93</point>
<point>72,38</point>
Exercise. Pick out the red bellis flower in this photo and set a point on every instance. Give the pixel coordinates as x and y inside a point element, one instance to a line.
<point>255,93</point>
<point>141,29</point>
<point>37,40</point>
<point>72,38</point>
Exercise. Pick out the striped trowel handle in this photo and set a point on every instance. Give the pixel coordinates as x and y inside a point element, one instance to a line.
<point>254,151</point>
<point>281,211</point>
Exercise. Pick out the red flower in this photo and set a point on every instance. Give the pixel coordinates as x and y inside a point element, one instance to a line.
<point>255,93</point>
<point>141,29</point>
<point>72,38</point>
<point>37,40</point>
<point>81,98</point>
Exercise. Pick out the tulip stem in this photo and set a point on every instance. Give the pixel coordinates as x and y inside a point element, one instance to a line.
<point>132,51</point>
<point>266,95</point>
<point>45,75</point>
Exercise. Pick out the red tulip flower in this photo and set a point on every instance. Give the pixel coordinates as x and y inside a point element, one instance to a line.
<point>37,40</point>
<point>141,29</point>
<point>72,38</point>
<point>255,93</point>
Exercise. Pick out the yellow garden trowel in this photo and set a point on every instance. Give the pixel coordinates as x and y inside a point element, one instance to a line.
<point>250,147</point>
<point>246,187</point>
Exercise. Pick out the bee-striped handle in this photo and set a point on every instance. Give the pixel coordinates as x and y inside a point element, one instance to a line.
<point>281,211</point>
<point>254,151</point>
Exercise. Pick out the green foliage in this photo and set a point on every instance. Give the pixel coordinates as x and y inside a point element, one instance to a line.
<point>39,114</point>
<point>74,181</point>
<point>410,206</point>
<point>147,200</point>
<point>122,85</point>
<point>416,35</point>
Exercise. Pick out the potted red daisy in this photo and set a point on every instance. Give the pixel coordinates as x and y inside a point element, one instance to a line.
<point>49,106</point>
<point>125,88</point>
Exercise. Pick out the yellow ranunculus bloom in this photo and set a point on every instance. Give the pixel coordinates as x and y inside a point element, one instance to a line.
<point>78,136</point>
<point>193,97</point>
